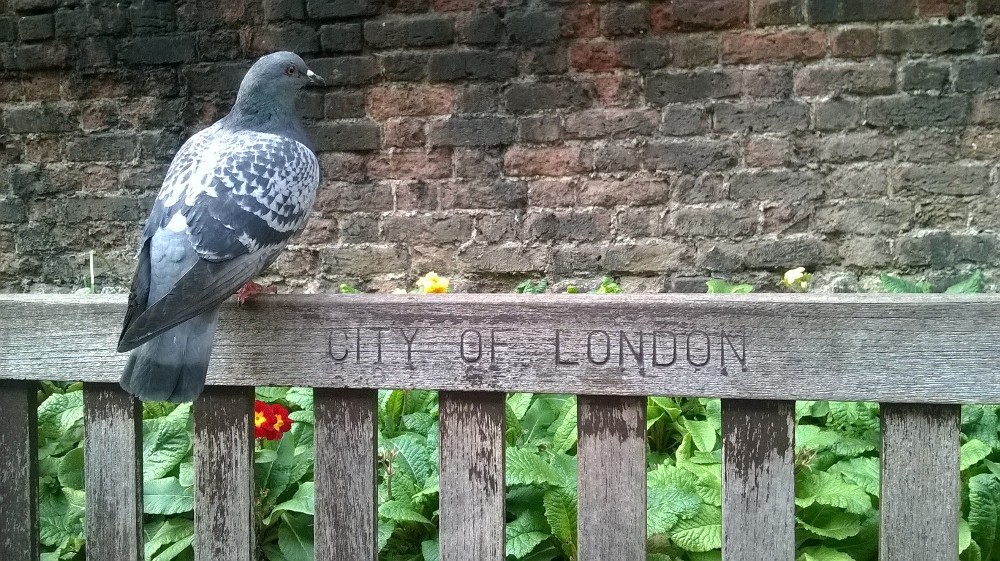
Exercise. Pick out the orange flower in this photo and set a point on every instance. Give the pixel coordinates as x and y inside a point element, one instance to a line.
<point>270,421</point>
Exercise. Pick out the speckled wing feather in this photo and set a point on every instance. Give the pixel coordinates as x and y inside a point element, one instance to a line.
<point>239,196</point>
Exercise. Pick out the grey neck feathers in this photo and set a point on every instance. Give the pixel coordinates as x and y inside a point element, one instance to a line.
<point>259,107</point>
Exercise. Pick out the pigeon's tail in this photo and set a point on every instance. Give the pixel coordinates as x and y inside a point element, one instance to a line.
<point>172,366</point>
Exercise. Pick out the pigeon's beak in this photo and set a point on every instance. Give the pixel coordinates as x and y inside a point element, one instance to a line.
<point>315,78</point>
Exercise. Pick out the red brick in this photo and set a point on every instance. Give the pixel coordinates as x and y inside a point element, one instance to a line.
<point>551,162</point>
<point>750,48</point>
<point>453,5</point>
<point>595,56</point>
<point>416,164</point>
<point>552,193</point>
<point>941,8</point>
<point>342,166</point>
<point>581,21</point>
<point>614,89</point>
<point>711,14</point>
<point>854,42</point>
<point>41,150</point>
<point>404,133</point>
<point>661,17</point>
<point>386,102</point>
<point>635,191</point>
<point>766,151</point>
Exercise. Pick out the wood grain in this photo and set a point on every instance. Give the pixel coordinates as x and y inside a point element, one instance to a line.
<point>19,466</point>
<point>113,472</point>
<point>224,483</point>
<point>920,482</point>
<point>611,451</point>
<point>758,480</point>
<point>797,346</point>
<point>346,452</point>
<point>472,476</point>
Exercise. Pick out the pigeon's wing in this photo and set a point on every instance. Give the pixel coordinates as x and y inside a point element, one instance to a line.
<point>239,202</point>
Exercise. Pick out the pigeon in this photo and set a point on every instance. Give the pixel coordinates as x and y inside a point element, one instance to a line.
<point>233,196</point>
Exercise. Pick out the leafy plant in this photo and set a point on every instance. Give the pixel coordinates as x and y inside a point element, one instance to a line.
<point>530,286</point>
<point>970,285</point>
<point>719,286</point>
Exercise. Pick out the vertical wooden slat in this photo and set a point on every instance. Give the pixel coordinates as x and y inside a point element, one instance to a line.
<point>611,449</point>
<point>113,472</point>
<point>224,484</point>
<point>19,466</point>
<point>472,476</point>
<point>346,448</point>
<point>758,480</point>
<point>920,482</point>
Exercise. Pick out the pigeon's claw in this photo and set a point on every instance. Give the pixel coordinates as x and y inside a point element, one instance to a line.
<point>251,289</point>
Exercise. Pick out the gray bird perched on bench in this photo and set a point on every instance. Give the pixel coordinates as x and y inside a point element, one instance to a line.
<point>233,196</point>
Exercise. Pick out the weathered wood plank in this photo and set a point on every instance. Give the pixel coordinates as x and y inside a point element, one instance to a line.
<point>758,480</point>
<point>769,346</point>
<point>113,472</point>
<point>224,484</point>
<point>472,476</point>
<point>346,452</point>
<point>920,482</point>
<point>19,466</point>
<point>611,449</point>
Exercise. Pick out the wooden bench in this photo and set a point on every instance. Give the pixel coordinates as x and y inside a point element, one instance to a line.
<point>920,357</point>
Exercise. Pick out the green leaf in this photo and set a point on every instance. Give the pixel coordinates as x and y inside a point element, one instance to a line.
<point>270,394</point>
<point>412,456</point>
<point>719,286</point>
<point>525,532</point>
<point>973,284</point>
<point>400,511</point>
<point>172,531</point>
<point>301,501</point>
<point>702,434</point>
<point>862,471</point>
<point>608,286</point>
<point>973,452</point>
<point>564,438</point>
<point>526,468</point>
<point>666,505</point>
<point>429,549</point>
<point>166,442</point>
<point>821,553</point>
<point>897,285</point>
<point>519,403</point>
<point>392,410</point>
<point>531,286</point>
<point>701,532</point>
<point>832,490</point>
<point>71,469</point>
<point>348,289</point>
<point>964,535</point>
<point>295,539</point>
<point>830,523</point>
<point>560,513</point>
<point>984,512</point>
<point>166,496</point>
<point>276,476</point>
<point>385,530</point>
<point>300,397</point>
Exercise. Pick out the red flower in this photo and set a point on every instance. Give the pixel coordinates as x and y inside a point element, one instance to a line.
<point>270,421</point>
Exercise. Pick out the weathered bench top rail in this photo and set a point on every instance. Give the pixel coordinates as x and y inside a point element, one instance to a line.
<point>892,348</point>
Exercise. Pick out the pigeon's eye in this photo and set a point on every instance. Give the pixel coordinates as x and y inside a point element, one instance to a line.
<point>291,70</point>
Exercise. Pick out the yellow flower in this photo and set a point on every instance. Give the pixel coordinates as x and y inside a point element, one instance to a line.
<point>432,283</point>
<point>797,279</point>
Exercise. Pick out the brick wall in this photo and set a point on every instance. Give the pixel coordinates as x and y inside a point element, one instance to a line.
<point>495,140</point>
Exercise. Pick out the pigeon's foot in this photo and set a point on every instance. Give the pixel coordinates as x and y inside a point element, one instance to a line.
<point>251,289</point>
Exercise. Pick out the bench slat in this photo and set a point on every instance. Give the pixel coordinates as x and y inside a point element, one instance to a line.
<point>113,472</point>
<point>612,477</point>
<point>920,482</point>
<point>472,471</point>
<point>758,480</point>
<point>224,483</point>
<point>346,453</point>
<point>19,466</point>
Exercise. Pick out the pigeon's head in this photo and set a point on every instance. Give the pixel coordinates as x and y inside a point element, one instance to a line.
<point>282,72</point>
